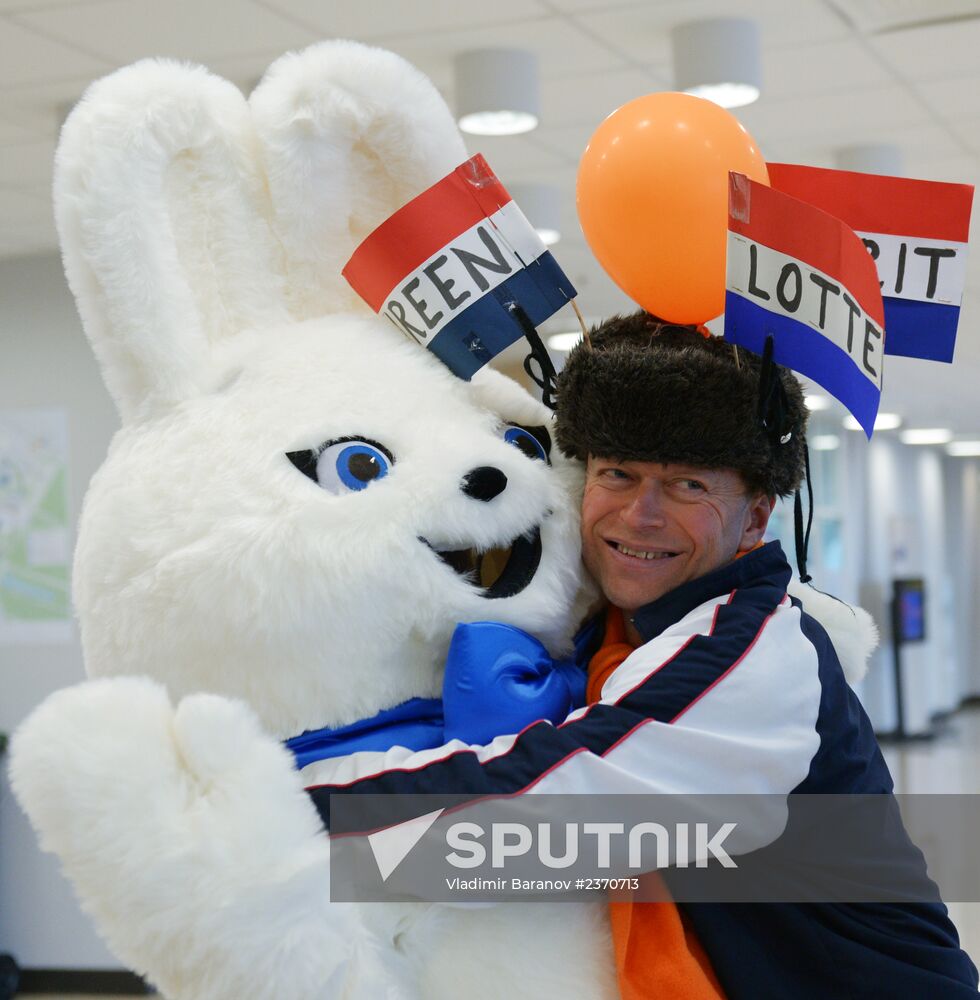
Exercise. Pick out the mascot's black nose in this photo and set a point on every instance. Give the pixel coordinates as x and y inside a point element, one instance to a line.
<point>484,483</point>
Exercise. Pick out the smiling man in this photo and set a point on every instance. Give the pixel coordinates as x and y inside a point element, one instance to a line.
<point>709,677</point>
<point>687,444</point>
<point>648,527</point>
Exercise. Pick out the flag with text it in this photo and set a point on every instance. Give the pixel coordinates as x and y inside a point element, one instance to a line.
<point>917,233</point>
<point>801,276</point>
<point>453,268</point>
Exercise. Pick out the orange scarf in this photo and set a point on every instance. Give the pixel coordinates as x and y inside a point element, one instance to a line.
<point>656,951</point>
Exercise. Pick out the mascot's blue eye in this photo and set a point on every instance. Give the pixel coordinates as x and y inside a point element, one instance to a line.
<point>346,465</point>
<point>351,465</point>
<point>535,442</point>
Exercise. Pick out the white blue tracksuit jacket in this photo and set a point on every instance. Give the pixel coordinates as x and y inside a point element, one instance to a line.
<point>735,690</point>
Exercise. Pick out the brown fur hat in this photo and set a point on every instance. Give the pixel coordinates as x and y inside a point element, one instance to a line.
<point>651,391</point>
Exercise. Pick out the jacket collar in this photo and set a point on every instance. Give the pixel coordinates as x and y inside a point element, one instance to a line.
<point>767,562</point>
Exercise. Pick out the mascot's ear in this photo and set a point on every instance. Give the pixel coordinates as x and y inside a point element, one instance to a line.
<point>163,217</point>
<point>349,134</point>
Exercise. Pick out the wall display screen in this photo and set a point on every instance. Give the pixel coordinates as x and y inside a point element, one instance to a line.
<point>910,610</point>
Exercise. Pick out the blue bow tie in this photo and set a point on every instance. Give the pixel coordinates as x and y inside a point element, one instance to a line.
<point>498,680</point>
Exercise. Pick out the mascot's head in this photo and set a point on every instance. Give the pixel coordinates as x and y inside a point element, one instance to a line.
<point>301,504</point>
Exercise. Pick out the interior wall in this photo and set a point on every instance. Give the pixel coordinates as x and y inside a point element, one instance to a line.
<point>963,557</point>
<point>46,362</point>
<point>919,513</point>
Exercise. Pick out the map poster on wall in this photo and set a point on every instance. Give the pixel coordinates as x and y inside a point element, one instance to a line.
<point>35,536</point>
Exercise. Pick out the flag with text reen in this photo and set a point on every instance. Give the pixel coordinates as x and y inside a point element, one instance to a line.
<point>454,268</point>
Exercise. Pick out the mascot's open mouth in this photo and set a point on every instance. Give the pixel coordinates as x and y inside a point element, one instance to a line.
<point>498,572</point>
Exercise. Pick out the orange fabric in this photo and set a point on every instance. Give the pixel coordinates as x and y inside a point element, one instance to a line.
<point>609,656</point>
<point>758,545</point>
<point>657,953</point>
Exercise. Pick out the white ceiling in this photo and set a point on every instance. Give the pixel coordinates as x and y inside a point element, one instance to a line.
<point>837,73</point>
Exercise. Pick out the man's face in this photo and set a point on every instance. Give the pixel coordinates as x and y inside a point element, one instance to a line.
<point>649,527</point>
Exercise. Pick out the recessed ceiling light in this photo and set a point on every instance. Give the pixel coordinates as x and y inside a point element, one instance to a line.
<point>564,341</point>
<point>726,95</point>
<point>496,91</point>
<point>963,449</point>
<point>814,403</point>
<point>926,435</point>
<point>825,442</point>
<point>498,122</point>
<point>719,59</point>
<point>883,422</point>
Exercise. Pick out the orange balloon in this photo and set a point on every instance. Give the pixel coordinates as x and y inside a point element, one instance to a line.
<point>652,197</point>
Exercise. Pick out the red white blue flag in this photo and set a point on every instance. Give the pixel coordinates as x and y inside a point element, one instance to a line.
<point>803,277</point>
<point>917,233</point>
<point>451,268</point>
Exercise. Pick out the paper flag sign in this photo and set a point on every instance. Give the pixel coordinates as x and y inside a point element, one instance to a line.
<point>449,268</point>
<point>917,233</point>
<point>800,275</point>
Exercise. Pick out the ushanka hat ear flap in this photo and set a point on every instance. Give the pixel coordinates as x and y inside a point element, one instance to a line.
<point>349,134</point>
<point>162,215</point>
<point>654,392</point>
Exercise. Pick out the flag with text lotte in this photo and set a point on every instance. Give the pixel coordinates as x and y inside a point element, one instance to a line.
<point>451,268</point>
<point>917,233</point>
<point>803,277</point>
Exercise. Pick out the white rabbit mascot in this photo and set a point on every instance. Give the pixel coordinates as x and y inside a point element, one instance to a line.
<point>227,600</point>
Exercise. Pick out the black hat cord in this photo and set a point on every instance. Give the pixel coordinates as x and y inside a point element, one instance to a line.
<point>545,377</point>
<point>773,408</point>
<point>802,537</point>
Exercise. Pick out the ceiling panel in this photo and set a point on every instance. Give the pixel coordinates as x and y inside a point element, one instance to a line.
<point>828,68</point>
<point>589,97</point>
<point>967,131</point>
<point>642,32</point>
<point>26,57</point>
<point>927,140</point>
<point>563,48</point>
<point>953,98</point>
<point>41,108</point>
<point>122,31</point>
<point>883,15</point>
<point>514,158</point>
<point>937,52</point>
<point>357,19</point>
<point>569,140</point>
<point>19,6</point>
<point>852,117</point>
<point>955,169</point>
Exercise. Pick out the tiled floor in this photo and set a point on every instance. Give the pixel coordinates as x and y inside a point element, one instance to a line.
<point>950,763</point>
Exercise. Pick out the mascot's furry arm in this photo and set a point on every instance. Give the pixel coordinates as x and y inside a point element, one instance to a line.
<point>217,884</point>
<point>187,216</point>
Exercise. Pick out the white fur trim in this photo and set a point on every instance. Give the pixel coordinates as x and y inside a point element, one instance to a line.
<point>851,629</point>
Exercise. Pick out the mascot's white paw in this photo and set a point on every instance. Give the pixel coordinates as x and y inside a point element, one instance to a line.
<point>188,836</point>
